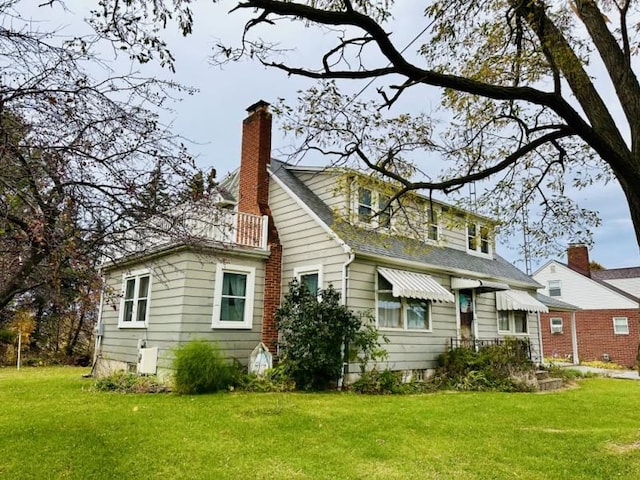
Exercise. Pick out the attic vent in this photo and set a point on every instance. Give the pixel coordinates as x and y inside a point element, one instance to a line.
<point>552,269</point>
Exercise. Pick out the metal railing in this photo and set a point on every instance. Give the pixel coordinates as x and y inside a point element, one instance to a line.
<point>521,346</point>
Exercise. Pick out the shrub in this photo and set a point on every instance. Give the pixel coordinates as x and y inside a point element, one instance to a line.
<point>378,382</point>
<point>125,382</point>
<point>316,334</point>
<point>273,380</point>
<point>199,367</point>
<point>503,367</point>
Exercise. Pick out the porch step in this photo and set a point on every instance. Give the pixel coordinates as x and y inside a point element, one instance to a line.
<point>542,374</point>
<point>549,384</point>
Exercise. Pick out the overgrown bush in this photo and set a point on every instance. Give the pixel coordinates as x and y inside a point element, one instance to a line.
<point>385,382</point>
<point>503,367</point>
<point>316,331</point>
<point>125,382</point>
<point>272,380</point>
<point>199,367</point>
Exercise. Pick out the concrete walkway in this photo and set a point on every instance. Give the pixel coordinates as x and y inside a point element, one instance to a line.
<point>605,372</point>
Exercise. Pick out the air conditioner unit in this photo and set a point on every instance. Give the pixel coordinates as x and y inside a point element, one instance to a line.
<point>556,328</point>
<point>147,361</point>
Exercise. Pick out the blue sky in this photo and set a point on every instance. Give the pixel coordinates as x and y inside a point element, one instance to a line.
<point>212,118</point>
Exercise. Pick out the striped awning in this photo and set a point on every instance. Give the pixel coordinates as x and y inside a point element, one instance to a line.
<point>518,300</point>
<point>479,284</point>
<point>416,285</point>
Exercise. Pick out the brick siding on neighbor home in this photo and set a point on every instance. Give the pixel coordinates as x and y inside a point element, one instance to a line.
<point>595,333</point>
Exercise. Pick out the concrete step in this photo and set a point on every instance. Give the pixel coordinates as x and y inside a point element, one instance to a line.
<point>549,384</point>
<point>542,374</point>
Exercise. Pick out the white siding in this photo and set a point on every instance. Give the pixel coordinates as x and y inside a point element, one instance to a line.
<point>629,285</point>
<point>581,291</point>
<point>304,241</point>
<point>407,350</point>
<point>181,308</point>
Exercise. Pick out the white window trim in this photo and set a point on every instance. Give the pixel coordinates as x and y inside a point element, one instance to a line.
<point>298,272</point>
<point>375,208</point>
<point>559,287</point>
<point>512,324</point>
<point>247,323</point>
<point>427,219</point>
<point>136,274</point>
<point>556,330</point>
<point>478,252</point>
<point>626,319</point>
<point>405,323</point>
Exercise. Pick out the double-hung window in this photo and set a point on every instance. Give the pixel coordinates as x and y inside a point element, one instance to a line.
<point>512,322</point>
<point>401,312</point>
<point>478,238</point>
<point>374,208</point>
<point>620,325</point>
<point>555,288</point>
<point>233,297</point>
<point>134,306</point>
<point>431,221</point>
<point>310,276</point>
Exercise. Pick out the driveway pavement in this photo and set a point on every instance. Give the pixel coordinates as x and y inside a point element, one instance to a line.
<point>605,372</point>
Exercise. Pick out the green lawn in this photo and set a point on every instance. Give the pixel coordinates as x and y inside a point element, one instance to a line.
<point>53,425</point>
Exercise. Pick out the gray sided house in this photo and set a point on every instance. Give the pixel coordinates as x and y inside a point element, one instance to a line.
<point>426,271</point>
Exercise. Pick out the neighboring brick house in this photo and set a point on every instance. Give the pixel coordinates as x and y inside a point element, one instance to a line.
<point>428,271</point>
<point>607,310</point>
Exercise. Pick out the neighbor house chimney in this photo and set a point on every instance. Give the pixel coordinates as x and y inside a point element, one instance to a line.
<point>253,195</point>
<point>253,198</point>
<point>578,258</point>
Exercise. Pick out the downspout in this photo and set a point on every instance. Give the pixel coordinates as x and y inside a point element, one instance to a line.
<point>345,280</point>
<point>345,273</point>
<point>574,339</point>
<point>540,339</point>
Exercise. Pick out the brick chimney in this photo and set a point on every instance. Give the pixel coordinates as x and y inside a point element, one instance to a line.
<point>255,156</point>
<point>253,198</point>
<point>578,258</point>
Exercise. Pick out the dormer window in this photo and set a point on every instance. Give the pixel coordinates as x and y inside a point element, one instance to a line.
<point>478,238</point>
<point>365,205</point>
<point>431,222</point>
<point>374,208</point>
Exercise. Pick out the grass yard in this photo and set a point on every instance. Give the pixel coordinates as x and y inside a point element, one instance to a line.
<point>53,425</point>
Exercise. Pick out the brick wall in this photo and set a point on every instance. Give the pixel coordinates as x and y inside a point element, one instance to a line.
<point>255,156</point>
<point>254,198</point>
<point>594,329</point>
<point>556,345</point>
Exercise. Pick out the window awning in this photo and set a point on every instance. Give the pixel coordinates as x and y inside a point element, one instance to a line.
<point>416,285</point>
<point>478,284</point>
<point>518,300</point>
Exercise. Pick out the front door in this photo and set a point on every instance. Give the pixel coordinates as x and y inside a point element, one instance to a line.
<point>465,304</point>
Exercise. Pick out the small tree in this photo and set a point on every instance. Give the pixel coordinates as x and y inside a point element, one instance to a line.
<point>316,330</point>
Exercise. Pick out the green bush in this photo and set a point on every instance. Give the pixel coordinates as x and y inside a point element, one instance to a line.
<point>378,382</point>
<point>316,333</point>
<point>125,382</point>
<point>385,382</point>
<point>273,380</point>
<point>199,367</point>
<point>503,367</point>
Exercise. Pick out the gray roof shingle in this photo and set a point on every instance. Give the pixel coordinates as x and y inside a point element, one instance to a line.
<point>396,247</point>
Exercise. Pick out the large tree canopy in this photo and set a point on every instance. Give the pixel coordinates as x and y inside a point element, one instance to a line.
<point>531,87</point>
<point>82,156</point>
